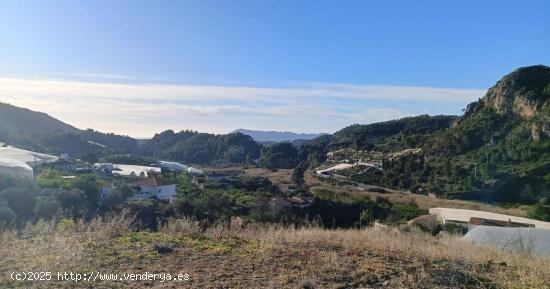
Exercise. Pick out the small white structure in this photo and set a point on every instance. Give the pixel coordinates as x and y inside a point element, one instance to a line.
<point>194,171</point>
<point>154,186</point>
<point>464,216</point>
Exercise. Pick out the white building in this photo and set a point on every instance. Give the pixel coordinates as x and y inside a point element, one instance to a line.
<point>154,186</point>
<point>194,171</point>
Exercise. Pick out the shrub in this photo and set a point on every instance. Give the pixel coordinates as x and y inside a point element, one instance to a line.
<point>539,212</point>
<point>46,208</point>
<point>7,216</point>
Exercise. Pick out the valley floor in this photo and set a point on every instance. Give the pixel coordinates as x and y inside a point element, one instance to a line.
<point>284,178</point>
<point>255,256</point>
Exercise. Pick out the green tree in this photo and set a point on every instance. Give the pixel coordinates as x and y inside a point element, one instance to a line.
<point>74,202</point>
<point>7,216</point>
<point>20,200</point>
<point>539,212</point>
<point>46,208</point>
<point>298,175</point>
<point>90,186</point>
<point>118,197</point>
<point>279,156</point>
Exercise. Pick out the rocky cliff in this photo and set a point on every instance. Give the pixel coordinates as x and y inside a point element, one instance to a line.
<point>524,92</point>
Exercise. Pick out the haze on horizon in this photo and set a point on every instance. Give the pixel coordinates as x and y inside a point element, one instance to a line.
<point>138,68</point>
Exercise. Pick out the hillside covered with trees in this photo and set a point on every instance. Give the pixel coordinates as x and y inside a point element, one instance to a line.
<point>499,150</point>
<point>40,132</point>
<point>22,127</point>
<point>203,148</point>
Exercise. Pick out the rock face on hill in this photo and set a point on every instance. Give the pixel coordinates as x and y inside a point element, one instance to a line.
<point>524,92</point>
<point>522,96</point>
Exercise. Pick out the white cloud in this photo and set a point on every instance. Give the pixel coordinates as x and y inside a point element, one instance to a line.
<point>142,109</point>
<point>96,75</point>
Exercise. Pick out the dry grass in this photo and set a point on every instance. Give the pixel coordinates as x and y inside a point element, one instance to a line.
<point>259,256</point>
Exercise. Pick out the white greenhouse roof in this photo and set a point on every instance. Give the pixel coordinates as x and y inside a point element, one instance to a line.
<point>127,170</point>
<point>461,215</point>
<point>174,166</point>
<point>522,240</point>
<point>18,162</point>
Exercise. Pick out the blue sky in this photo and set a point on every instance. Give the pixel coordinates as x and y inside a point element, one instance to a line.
<point>139,67</point>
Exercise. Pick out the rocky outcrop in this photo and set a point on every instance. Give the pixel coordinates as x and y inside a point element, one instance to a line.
<point>428,223</point>
<point>524,93</point>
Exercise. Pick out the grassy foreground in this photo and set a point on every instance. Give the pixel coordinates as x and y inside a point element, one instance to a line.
<point>259,256</point>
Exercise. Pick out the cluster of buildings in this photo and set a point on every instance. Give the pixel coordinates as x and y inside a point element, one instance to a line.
<point>149,184</point>
<point>146,181</point>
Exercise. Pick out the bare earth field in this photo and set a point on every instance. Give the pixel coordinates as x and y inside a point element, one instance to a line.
<point>237,256</point>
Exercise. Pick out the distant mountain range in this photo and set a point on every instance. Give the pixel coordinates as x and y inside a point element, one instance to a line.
<point>276,136</point>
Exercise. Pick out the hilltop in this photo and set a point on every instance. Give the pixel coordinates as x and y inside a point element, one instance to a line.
<point>202,148</point>
<point>22,126</point>
<point>38,131</point>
